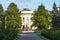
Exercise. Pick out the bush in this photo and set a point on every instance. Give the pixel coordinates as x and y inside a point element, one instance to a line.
<point>51,34</point>
<point>8,35</point>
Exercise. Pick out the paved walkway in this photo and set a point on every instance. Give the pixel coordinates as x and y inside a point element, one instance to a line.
<point>29,35</point>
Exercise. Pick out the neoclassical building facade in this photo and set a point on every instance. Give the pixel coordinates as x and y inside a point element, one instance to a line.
<point>26,16</point>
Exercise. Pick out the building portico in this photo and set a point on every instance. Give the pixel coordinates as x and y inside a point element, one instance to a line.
<point>26,19</point>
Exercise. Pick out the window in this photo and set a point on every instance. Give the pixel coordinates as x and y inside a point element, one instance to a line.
<point>23,19</point>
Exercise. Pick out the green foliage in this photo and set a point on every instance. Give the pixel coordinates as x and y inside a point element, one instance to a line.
<point>1,16</point>
<point>13,16</point>
<point>55,11</point>
<point>37,32</point>
<point>1,9</point>
<point>55,18</point>
<point>41,17</point>
<point>8,35</point>
<point>51,34</point>
<point>12,21</point>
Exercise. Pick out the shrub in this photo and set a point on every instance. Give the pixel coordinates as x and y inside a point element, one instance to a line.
<point>51,34</point>
<point>8,35</point>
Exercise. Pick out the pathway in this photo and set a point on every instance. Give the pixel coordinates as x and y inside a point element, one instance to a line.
<point>29,35</point>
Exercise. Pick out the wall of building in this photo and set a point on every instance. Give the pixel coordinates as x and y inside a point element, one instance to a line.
<point>26,19</point>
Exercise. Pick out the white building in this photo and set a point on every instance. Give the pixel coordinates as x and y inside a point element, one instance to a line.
<point>26,16</point>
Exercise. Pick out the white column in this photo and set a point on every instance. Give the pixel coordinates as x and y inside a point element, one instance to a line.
<point>29,23</point>
<point>25,21</point>
<point>22,19</point>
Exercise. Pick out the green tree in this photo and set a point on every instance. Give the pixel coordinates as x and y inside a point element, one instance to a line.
<point>1,9</point>
<point>1,15</point>
<point>55,11</point>
<point>56,17</point>
<point>13,16</point>
<point>41,17</point>
<point>12,21</point>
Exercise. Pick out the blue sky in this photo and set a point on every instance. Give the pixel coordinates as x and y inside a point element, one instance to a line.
<point>31,4</point>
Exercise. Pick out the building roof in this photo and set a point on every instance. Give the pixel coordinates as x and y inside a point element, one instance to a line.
<point>26,9</point>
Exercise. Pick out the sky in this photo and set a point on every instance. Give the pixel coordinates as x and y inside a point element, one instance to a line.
<point>31,4</point>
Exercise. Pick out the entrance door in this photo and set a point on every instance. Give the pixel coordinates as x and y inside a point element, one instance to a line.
<point>23,28</point>
<point>27,28</point>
